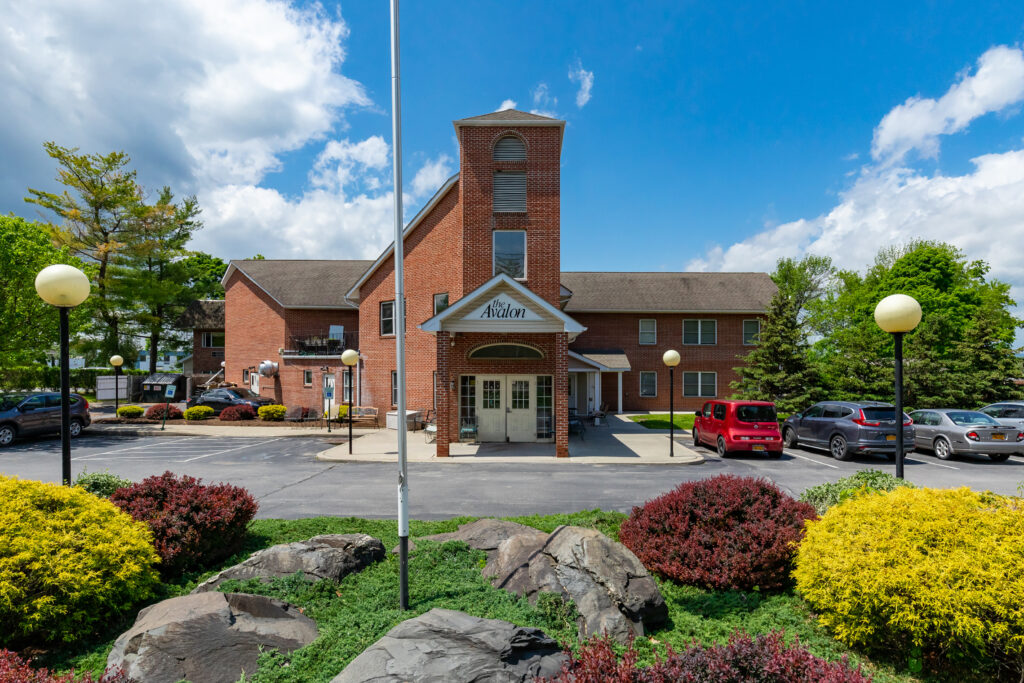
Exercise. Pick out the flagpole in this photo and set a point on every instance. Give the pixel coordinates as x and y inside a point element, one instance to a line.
<point>403,485</point>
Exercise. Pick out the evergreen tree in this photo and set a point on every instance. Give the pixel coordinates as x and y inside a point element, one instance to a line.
<point>984,358</point>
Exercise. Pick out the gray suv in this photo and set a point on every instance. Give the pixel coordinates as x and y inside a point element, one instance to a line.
<point>846,428</point>
<point>39,413</point>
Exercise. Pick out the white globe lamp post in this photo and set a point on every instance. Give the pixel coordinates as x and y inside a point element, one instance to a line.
<point>898,314</point>
<point>349,358</point>
<point>671,359</point>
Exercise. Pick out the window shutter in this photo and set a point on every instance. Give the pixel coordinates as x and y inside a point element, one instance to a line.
<point>509,192</point>
<point>510,148</point>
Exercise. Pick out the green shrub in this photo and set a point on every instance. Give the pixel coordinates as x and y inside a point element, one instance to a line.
<point>101,484</point>
<point>937,570</point>
<point>824,496</point>
<point>69,562</point>
<point>131,412</point>
<point>199,413</point>
<point>272,413</point>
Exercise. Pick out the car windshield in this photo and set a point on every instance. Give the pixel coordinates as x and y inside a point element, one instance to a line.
<point>9,401</point>
<point>755,413</point>
<point>243,393</point>
<point>971,417</point>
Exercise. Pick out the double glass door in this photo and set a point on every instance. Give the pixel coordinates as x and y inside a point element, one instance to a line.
<point>506,408</point>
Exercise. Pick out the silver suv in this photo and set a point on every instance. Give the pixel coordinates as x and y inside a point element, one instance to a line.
<point>846,428</point>
<point>39,413</point>
<point>1009,413</point>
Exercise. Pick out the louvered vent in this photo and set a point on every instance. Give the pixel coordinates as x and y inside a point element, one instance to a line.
<point>510,148</point>
<point>509,192</point>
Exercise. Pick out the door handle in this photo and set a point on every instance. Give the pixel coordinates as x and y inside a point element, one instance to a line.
<point>508,409</point>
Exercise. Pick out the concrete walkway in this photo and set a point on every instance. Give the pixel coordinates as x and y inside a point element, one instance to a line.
<point>619,442</point>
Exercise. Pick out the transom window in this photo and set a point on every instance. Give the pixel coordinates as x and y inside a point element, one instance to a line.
<point>509,148</point>
<point>700,384</point>
<point>505,352</point>
<point>700,332</point>
<point>510,253</point>
<point>648,384</point>
<point>648,331</point>
<point>387,318</point>
<point>491,394</point>
<point>509,192</point>
<point>751,332</point>
<point>520,394</point>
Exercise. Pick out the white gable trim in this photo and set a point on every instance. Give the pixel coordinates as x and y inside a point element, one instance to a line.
<point>462,305</point>
<point>591,363</point>
<point>353,293</point>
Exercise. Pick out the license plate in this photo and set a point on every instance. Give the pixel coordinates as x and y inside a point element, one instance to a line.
<point>999,437</point>
<point>890,437</point>
<point>758,448</point>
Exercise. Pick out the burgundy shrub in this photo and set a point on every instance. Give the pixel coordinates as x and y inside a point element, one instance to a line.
<point>156,412</point>
<point>726,532</point>
<point>744,659</point>
<point>14,669</point>
<point>193,525</point>
<point>243,411</point>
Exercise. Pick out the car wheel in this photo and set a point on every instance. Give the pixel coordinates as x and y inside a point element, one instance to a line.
<point>722,453</point>
<point>999,457</point>
<point>696,440</point>
<point>837,447</point>
<point>789,437</point>
<point>942,449</point>
<point>75,428</point>
<point>7,434</point>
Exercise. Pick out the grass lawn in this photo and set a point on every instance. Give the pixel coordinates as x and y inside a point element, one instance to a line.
<point>356,612</point>
<point>684,421</point>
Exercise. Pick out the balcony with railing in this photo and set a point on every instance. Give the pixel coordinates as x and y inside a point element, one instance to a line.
<point>320,344</point>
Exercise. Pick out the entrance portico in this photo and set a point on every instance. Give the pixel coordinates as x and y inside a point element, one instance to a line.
<point>502,367</point>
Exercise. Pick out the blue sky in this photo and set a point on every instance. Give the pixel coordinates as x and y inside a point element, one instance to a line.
<point>714,136</point>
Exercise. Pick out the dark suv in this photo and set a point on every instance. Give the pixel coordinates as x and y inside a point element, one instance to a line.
<point>846,428</point>
<point>39,413</point>
<point>219,399</point>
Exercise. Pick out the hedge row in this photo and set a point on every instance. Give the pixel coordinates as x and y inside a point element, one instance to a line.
<point>29,377</point>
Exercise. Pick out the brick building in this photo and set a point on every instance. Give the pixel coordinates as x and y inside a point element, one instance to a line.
<point>499,341</point>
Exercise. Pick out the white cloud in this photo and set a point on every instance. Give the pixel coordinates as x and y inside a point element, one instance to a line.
<point>917,124</point>
<point>577,74</point>
<point>543,102</point>
<point>431,176</point>
<point>507,104</point>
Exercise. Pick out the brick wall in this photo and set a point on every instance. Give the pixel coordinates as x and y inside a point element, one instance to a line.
<point>621,331</point>
<point>205,360</point>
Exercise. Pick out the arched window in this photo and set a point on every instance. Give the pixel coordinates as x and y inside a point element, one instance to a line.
<point>509,148</point>
<point>505,352</point>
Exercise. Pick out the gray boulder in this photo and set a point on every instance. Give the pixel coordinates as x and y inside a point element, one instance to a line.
<point>483,534</point>
<point>444,646</point>
<point>208,638</point>
<point>331,556</point>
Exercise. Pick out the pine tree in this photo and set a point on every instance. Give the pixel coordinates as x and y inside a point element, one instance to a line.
<point>985,360</point>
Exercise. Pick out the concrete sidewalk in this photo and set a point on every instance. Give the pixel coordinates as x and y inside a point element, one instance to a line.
<point>179,428</point>
<point>620,442</point>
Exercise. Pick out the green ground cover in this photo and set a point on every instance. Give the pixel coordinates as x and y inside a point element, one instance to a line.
<point>684,421</point>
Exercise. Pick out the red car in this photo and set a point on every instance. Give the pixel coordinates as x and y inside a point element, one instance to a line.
<point>732,426</point>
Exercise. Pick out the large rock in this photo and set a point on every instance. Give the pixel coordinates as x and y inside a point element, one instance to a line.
<point>444,646</point>
<point>612,590</point>
<point>331,556</point>
<point>208,638</point>
<point>483,534</point>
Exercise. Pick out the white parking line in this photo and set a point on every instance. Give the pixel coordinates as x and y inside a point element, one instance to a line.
<point>123,450</point>
<point>933,464</point>
<point>816,462</point>
<point>238,448</point>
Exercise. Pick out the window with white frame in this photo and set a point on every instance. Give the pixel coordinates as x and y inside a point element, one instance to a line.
<point>245,376</point>
<point>703,332</point>
<point>509,192</point>
<point>648,384</point>
<point>213,340</point>
<point>440,302</point>
<point>700,384</point>
<point>307,378</point>
<point>394,387</point>
<point>387,318</point>
<point>510,253</point>
<point>751,332</point>
<point>648,331</point>
<point>346,386</point>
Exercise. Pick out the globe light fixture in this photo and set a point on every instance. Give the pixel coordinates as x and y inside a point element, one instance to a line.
<point>671,359</point>
<point>898,314</point>
<point>117,361</point>
<point>64,287</point>
<point>349,357</point>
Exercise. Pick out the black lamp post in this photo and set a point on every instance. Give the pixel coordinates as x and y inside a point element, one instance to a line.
<point>671,359</point>
<point>898,314</point>
<point>350,357</point>
<point>65,287</point>
<point>117,362</point>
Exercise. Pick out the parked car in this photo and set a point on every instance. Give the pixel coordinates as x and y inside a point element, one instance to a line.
<point>733,426</point>
<point>947,432</point>
<point>219,399</point>
<point>846,428</point>
<point>39,413</point>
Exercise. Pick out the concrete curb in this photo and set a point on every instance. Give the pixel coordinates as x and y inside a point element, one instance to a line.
<point>265,432</point>
<point>339,454</point>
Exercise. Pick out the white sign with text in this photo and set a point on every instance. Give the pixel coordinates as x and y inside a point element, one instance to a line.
<point>504,308</point>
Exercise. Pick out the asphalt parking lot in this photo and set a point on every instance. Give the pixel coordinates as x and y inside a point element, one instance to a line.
<point>289,482</point>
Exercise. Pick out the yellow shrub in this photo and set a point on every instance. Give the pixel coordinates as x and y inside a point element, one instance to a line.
<point>939,569</point>
<point>272,413</point>
<point>69,561</point>
<point>199,413</point>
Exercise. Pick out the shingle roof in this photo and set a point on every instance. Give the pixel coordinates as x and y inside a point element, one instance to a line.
<point>614,359</point>
<point>508,115</point>
<point>669,292</point>
<point>303,284</point>
<point>203,314</point>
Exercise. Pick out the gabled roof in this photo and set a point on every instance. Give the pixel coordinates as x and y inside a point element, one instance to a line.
<point>509,117</point>
<point>300,283</point>
<point>352,293</point>
<point>669,292</point>
<point>606,360</point>
<point>203,314</point>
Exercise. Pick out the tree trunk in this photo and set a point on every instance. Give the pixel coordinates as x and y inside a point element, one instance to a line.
<point>154,345</point>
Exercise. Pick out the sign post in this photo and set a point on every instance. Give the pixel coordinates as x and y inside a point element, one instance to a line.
<point>168,395</point>
<point>329,396</point>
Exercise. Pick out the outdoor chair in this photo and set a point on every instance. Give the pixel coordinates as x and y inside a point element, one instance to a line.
<point>293,414</point>
<point>312,414</point>
<point>467,429</point>
<point>364,415</point>
<point>429,426</point>
<point>576,427</point>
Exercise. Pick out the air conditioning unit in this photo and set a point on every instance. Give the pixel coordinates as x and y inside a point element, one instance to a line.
<point>267,368</point>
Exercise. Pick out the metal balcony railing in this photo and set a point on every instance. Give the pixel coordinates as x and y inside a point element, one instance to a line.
<point>320,344</point>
